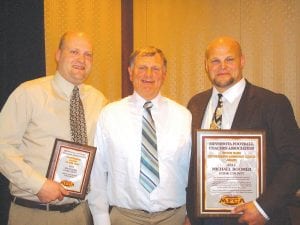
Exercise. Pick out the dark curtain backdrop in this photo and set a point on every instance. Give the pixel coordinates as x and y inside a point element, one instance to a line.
<point>22,43</point>
<point>22,58</point>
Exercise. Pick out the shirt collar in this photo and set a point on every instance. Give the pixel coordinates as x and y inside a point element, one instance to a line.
<point>65,86</point>
<point>140,101</point>
<point>233,92</point>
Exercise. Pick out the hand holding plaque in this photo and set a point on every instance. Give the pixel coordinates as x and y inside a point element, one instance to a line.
<point>71,165</point>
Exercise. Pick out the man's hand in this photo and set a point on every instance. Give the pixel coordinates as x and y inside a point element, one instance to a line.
<point>250,214</point>
<point>186,221</point>
<point>51,191</point>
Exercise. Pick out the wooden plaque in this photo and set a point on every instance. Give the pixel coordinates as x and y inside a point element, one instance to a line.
<point>230,170</point>
<point>71,165</point>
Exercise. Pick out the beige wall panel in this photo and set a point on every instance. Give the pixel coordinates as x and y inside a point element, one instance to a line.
<point>101,19</point>
<point>270,34</point>
<point>182,30</point>
<point>267,30</point>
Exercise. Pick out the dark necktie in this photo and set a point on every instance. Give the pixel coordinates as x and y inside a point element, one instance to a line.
<point>77,120</point>
<point>149,172</point>
<point>216,122</point>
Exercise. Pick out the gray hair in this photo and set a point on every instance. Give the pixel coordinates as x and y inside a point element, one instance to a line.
<point>147,51</point>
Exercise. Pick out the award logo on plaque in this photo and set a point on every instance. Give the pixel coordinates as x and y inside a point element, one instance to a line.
<point>71,165</point>
<point>230,170</point>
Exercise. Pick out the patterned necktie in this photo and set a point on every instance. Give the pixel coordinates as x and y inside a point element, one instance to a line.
<point>149,172</point>
<point>216,122</point>
<point>77,120</point>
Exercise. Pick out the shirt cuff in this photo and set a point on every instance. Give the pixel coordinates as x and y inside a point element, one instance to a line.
<point>262,212</point>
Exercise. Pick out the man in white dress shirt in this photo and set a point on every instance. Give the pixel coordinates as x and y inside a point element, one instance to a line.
<point>115,178</point>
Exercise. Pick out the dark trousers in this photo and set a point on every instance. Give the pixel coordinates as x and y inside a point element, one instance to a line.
<point>4,200</point>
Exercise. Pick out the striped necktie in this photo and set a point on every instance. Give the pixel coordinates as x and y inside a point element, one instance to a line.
<point>216,122</point>
<point>77,120</point>
<point>149,172</point>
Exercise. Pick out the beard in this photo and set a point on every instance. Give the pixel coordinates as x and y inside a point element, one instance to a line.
<point>223,83</point>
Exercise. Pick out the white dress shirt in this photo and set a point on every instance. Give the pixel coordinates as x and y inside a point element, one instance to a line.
<point>115,174</point>
<point>231,99</point>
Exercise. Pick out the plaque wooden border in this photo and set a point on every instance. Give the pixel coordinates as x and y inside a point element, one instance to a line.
<point>200,135</point>
<point>58,149</point>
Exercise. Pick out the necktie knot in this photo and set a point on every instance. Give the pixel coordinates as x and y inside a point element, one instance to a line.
<point>75,90</point>
<point>147,113</point>
<point>220,100</point>
<point>148,105</point>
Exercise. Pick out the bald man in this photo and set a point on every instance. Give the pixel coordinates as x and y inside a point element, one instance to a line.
<point>248,107</point>
<point>34,115</point>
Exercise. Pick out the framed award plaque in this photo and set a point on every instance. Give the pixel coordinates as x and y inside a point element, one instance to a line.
<point>230,170</point>
<point>71,165</point>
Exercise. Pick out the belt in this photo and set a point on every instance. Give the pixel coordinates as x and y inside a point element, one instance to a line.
<point>148,212</point>
<point>168,209</point>
<point>47,207</point>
